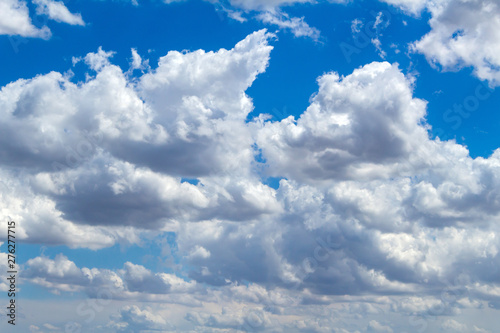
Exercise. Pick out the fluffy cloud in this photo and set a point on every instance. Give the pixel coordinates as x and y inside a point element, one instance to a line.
<point>131,282</point>
<point>177,304</point>
<point>199,100</point>
<point>120,146</point>
<point>15,17</point>
<point>15,20</point>
<point>383,213</point>
<point>362,126</point>
<point>369,211</point>
<point>464,34</point>
<point>39,221</point>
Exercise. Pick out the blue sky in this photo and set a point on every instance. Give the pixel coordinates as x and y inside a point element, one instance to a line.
<point>189,160</point>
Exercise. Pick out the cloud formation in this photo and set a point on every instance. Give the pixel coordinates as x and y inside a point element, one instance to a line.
<point>464,34</point>
<point>131,282</point>
<point>101,151</point>
<point>369,212</point>
<point>57,11</point>
<point>15,20</point>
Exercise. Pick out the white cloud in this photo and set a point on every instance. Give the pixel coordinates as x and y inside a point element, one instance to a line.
<point>15,20</point>
<point>401,209</point>
<point>39,221</point>
<point>375,326</point>
<point>451,325</point>
<point>108,142</point>
<point>370,213</point>
<point>464,34</point>
<point>411,6</point>
<point>57,11</point>
<point>296,25</point>
<point>99,60</point>
<point>356,127</point>
<point>480,330</point>
<point>134,319</point>
<point>136,61</point>
<point>199,252</point>
<point>378,45</point>
<point>132,282</point>
<point>245,319</point>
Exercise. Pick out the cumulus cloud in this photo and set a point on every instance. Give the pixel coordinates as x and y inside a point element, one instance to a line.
<point>377,216</point>
<point>464,34</point>
<point>356,127</point>
<point>123,146</point>
<point>199,99</point>
<point>39,221</point>
<point>132,282</point>
<point>369,211</point>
